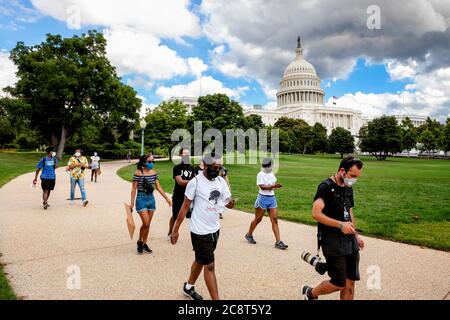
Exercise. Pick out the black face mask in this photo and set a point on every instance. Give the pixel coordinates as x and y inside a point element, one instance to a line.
<point>186,160</point>
<point>212,174</point>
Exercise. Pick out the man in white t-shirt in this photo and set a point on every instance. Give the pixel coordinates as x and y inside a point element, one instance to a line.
<point>209,193</point>
<point>267,183</point>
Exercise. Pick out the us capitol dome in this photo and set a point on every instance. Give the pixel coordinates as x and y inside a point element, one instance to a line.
<point>301,97</point>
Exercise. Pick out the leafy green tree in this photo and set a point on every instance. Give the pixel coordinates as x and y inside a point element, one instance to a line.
<point>217,111</point>
<point>69,80</point>
<point>445,137</point>
<point>287,140</point>
<point>341,141</point>
<point>253,121</point>
<point>428,141</point>
<point>408,135</point>
<point>298,131</point>
<point>162,122</point>
<point>319,139</point>
<point>381,137</point>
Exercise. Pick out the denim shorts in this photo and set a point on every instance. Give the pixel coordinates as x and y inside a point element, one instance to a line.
<point>265,202</point>
<point>145,202</point>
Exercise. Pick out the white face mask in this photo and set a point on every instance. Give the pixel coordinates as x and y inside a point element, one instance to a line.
<point>349,182</point>
<point>77,154</point>
<point>95,153</point>
<point>53,154</point>
<point>267,170</point>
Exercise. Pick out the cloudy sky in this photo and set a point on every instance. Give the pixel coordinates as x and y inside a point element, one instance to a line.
<point>241,47</point>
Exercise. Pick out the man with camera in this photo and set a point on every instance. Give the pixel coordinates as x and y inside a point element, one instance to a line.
<point>337,235</point>
<point>77,164</point>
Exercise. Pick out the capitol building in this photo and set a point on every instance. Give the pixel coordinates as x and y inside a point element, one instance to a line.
<point>301,97</point>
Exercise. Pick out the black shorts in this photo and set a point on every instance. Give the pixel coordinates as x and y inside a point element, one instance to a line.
<point>177,203</point>
<point>204,247</point>
<point>343,267</point>
<point>48,184</point>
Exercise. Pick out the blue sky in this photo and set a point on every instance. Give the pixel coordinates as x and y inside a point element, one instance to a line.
<point>355,78</point>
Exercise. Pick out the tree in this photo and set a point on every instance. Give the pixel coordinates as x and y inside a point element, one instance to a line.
<point>407,135</point>
<point>253,121</point>
<point>428,141</point>
<point>217,111</point>
<point>341,141</point>
<point>287,140</point>
<point>445,137</point>
<point>381,137</point>
<point>298,130</point>
<point>69,80</point>
<point>319,140</point>
<point>162,122</point>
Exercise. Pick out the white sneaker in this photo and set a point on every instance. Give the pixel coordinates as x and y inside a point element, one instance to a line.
<point>71,202</point>
<point>85,203</point>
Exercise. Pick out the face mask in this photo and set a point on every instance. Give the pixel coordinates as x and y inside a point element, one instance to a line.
<point>77,154</point>
<point>150,165</point>
<point>186,160</point>
<point>95,153</point>
<point>267,170</point>
<point>349,182</point>
<point>53,154</point>
<point>212,174</point>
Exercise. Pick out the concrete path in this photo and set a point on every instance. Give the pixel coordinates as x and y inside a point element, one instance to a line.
<point>43,249</point>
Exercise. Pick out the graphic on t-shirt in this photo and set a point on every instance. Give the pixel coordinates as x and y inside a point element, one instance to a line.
<point>214,196</point>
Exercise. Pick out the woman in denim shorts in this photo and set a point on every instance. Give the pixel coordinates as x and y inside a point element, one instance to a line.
<point>145,181</point>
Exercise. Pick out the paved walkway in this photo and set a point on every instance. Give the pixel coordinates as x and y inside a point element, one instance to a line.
<point>39,247</point>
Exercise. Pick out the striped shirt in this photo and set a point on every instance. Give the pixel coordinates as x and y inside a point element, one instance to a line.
<point>140,181</point>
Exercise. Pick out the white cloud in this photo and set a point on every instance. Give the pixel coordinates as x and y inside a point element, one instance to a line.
<point>401,70</point>
<point>142,53</point>
<point>203,86</point>
<point>170,19</point>
<point>429,95</point>
<point>256,38</point>
<point>7,72</point>
<point>197,66</point>
<point>133,29</point>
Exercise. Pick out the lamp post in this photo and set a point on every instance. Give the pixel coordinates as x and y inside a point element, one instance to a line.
<point>143,124</point>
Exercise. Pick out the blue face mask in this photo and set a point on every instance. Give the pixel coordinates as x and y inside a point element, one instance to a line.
<point>150,165</point>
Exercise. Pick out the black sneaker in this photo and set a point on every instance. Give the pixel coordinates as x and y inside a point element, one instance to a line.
<point>280,245</point>
<point>191,293</point>
<point>140,247</point>
<point>307,293</point>
<point>146,249</point>
<point>250,239</point>
<point>46,206</point>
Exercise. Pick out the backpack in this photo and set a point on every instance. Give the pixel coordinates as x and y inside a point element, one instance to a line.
<point>148,188</point>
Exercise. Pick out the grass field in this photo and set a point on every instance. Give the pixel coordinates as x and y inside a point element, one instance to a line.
<point>400,199</point>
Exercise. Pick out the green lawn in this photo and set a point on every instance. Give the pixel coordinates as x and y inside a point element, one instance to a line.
<point>405,200</point>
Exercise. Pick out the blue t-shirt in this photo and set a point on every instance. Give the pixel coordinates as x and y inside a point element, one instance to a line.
<point>48,172</point>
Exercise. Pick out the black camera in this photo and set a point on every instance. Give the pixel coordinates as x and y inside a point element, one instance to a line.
<point>315,261</point>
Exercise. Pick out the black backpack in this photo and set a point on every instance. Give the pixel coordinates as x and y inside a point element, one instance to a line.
<point>148,188</point>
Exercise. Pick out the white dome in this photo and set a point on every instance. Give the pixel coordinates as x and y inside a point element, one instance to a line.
<point>300,65</point>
